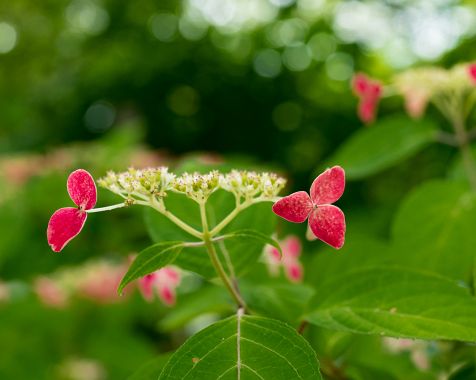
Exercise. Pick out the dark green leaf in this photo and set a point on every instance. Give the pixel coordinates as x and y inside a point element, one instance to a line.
<point>382,145</point>
<point>396,302</point>
<point>434,229</point>
<point>254,347</point>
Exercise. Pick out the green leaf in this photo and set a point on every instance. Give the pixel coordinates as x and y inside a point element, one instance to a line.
<point>395,302</point>
<point>382,145</point>
<point>359,251</point>
<point>151,259</point>
<point>434,229</point>
<point>245,347</point>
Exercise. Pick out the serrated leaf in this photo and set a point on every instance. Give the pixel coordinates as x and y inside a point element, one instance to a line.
<point>151,259</point>
<point>396,302</point>
<point>244,347</point>
<point>384,144</point>
<point>433,229</point>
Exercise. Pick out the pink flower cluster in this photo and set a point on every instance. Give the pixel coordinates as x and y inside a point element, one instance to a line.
<point>98,282</point>
<point>289,261</point>
<point>68,222</point>
<point>326,221</point>
<point>369,93</point>
<point>163,283</point>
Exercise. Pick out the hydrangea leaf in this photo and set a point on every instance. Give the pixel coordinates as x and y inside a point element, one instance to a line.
<point>244,347</point>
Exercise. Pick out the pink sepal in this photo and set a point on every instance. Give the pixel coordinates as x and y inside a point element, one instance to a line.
<point>63,226</point>
<point>328,224</point>
<point>294,208</point>
<point>82,189</point>
<point>329,186</point>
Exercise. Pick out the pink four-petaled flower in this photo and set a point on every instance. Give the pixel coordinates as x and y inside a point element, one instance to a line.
<point>68,222</point>
<point>369,93</point>
<point>326,221</point>
<point>291,247</point>
<point>163,282</point>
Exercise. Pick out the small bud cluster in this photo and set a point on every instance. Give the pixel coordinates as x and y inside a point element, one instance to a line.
<point>248,185</point>
<point>158,181</point>
<point>197,186</point>
<point>147,182</point>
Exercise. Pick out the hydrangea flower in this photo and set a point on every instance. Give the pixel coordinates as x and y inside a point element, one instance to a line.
<point>163,282</point>
<point>326,221</point>
<point>291,248</point>
<point>68,222</point>
<point>369,93</point>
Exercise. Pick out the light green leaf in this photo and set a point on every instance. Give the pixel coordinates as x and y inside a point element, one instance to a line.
<point>244,347</point>
<point>395,302</point>
<point>151,259</point>
<point>434,229</point>
<point>382,145</point>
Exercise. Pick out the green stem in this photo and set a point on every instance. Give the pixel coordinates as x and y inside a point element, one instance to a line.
<point>184,226</point>
<point>212,253</point>
<point>465,149</point>
<point>107,208</point>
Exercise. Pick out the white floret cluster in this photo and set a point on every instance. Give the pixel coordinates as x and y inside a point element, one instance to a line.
<point>143,182</point>
<point>156,182</point>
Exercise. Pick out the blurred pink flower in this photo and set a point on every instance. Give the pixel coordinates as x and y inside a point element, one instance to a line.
<point>4,292</point>
<point>163,283</point>
<point>326,221</point>
<point>101,282</point>
<point>369,93</point>
<point>291,247</point>
<point>472,72</point>
<point>50,293</point>
<point>68,222</point>
<point>416,101</point>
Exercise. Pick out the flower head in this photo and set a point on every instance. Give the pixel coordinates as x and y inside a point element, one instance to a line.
<point>163,282</point>
<point>68,222</point>
<point>291,248</point>
<point>326,221</point>
<point>369,93</point>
